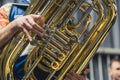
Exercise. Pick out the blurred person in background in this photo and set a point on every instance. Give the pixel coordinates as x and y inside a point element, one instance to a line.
<point>114,70</point>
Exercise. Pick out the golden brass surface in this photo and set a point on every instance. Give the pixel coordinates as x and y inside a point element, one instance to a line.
<point>70,41</point>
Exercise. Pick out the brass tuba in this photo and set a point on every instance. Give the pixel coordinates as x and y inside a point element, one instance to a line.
<point>71,38</point>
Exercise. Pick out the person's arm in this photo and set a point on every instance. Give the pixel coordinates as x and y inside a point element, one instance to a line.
<point>25,24</point>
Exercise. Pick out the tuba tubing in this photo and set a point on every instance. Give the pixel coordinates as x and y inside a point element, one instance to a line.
<point>68,43</point>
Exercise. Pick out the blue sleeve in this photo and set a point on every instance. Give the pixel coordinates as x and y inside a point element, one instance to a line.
<point>17,10</point>
<point>18,69</point>
<point>24,2</point>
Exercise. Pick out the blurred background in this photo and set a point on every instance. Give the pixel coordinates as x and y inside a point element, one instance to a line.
<point>109,49</point>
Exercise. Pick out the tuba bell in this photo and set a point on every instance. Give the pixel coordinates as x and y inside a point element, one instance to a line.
<point>71,39</point>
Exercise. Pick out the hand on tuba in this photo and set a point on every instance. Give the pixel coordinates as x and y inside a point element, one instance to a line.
<point>28,23</point>
<point>25,24</point>
<point>75,76</point>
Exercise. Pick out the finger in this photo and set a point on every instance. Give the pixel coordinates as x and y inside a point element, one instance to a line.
<point>85,71</point>
<point>39,19</point>
<point>75,74</point>
<point>37,32</point>
<point>27,34</point>
<point>34,25</point>
<point>67,78</point>
<point>38,27</point>
<point>27,26</point>
<point>71,77</point>
<point>81,78</point>
<point>78,76</point>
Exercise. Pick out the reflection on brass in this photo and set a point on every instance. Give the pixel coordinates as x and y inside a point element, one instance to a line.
<point>72,37</point>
